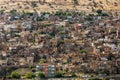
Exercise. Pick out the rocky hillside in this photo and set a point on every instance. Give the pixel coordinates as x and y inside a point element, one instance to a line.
<point>53,5</point>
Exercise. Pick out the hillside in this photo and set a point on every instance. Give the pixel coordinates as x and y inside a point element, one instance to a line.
<point>53,5</point>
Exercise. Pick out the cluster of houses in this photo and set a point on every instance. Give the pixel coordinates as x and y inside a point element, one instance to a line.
<point>70,43</point>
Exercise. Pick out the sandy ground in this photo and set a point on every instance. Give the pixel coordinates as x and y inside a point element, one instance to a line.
<point>86,5</point>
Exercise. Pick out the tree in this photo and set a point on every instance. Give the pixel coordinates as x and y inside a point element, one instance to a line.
<point>110,56</point>
<point>69,13</point>
<point>95,79</point>
<point>76,2</point>
<point>30,67</point>
<point>59,74</point>
<point>15,75</point>
<point>105,14</point>
<point>2,11</point>
<point>30,75</point>
<point>34,4</point>
<point>89,18</point>
<point>13,11</point>
<point>58,13</point>
<point>40,19</point>
<point>83,51</point>
<point>99,12</point>
<point>41,75</point>
<point>73,75</point>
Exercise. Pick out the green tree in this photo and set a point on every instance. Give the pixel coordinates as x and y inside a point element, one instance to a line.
<point>41,75</point>
<point>73,75</point>
<point>68,13</point>
<point>76,2</point>
<point>15,75</point>
<point>83,51</point>
<point>30,75</point>
<point>95,79</point>
<point>105,14</point>
<point>40,19</point>
<point>59,74</point>
<point>14,11</point>
<point>99,11</point>
<point>34,4</point>
<point>30,67</point>
<point>2,11</point>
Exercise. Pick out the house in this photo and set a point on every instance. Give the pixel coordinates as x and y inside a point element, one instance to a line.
<point>3,62</point>
<point>22,61</point>
<point>46,16</point>
<point>48,69</point>
<point>30,60</point>
<point>9,27</point>
<point>118,62</point>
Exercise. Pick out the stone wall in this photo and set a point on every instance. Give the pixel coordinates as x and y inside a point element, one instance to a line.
<point>39,0</point>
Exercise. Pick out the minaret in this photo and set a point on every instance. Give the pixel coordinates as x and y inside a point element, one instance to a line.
<point>94,48</point>
<point>117,34</point>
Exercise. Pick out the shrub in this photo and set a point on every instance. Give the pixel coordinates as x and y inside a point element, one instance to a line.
<point>59,74</point>
<point>30,75</point>
<point>75,2</point>
<point>95,79</point>
<point>83,51</point>
<point>99,11</point>
<point>15,75</point>
<point>41,75</point>
<point>73,75</point>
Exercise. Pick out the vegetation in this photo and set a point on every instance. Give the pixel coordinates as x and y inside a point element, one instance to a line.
<point>30,76</point>
<point>33,4</point>
<point>100,13</point>
<point>13,11</point>
<point>41,75</point>
<point>73,75</point>
<point>45,13</point>
<point>59,74</point>
<point>95,79</point>
<point>76,2</point>
<point>88,18</point>
<point>30,67</point>
<point>14,75</point>
<point>42,61</point>
<point>32,41</point>
<point>63,13</point>
<point>105,14</point>
<point>40,19</point>
<point>17,35</point>
<point>83,51</point>
<point>2,11</point>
